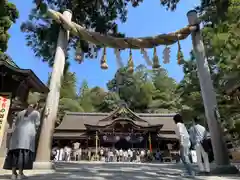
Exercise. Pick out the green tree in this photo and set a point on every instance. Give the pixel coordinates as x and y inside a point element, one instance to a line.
<point>100,16</point>
<point>145,90</point>
<point>164,94</point>
<point>8,15</point>
<point>68,86</point>
<point>68,96</point>
<point>84,97</point>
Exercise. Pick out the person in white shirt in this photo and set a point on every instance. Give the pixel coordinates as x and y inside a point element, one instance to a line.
<point>197,134</point>
<point>68,152</point>
<point>142,155</point>
<point>129,155</point>
<point>125,156</point>
<point>120,155</point>
<point>184,144</point>
<point>61,155</point>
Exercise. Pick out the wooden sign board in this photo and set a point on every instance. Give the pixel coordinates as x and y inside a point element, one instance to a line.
<point>5,103</point>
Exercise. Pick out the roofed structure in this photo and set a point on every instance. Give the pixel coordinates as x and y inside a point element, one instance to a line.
<point>15,76</point>
<point>78,124</point>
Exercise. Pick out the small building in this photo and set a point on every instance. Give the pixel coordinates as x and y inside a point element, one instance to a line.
<point>17,82</point>
<point>120,129</point>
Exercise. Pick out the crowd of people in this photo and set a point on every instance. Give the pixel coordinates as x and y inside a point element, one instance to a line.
<point>104,154</point>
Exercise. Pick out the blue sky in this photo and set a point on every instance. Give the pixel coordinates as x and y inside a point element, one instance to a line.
<point>148,19</point>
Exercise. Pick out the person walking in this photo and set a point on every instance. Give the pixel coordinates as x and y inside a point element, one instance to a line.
<point>22,143</point>
<point>197,134</point>
<point>184,145</point>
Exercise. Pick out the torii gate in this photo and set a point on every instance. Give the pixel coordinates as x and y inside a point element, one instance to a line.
<point>207,89</point>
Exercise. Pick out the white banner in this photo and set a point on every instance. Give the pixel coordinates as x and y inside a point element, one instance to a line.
<point>5,102</point>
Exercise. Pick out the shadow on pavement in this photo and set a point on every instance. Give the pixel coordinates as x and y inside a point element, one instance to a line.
<point>109,171</point>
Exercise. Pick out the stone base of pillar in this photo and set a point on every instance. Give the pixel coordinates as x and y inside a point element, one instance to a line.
<point>2,160</point>
<point>225,170</point>
<point>43,165</point>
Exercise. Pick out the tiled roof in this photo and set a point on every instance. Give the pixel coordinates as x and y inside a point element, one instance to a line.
<point>76,120</point>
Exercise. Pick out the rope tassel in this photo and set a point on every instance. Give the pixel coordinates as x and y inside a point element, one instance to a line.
<point>180,57</point>
<point>156,64</point>
<point>79,54</point>
<point>130,63</point>
<point>104,59</point>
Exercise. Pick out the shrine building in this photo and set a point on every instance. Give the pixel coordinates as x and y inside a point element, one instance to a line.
<point>121,128</point>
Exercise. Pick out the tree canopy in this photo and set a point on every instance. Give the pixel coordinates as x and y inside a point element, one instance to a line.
<point>99,16</point>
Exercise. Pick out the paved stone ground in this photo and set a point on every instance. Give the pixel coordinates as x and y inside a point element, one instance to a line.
<point>112,171</point>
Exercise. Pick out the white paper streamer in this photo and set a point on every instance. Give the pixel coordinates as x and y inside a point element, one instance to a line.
<point>118,58</point>
<point>166,55</point>
<point>146,57</point>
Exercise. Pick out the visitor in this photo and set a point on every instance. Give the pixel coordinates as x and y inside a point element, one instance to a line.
<point>134,158</point>
<point>142,156</point>
<point>198,134</point>
<point>54,153</point>
<point>184,145</point>
<point>138,156</point>
<point>121,155</point>
<point>110,155</point>
<point>125,156</point>
<point>116,156</point>
<point>129,152</point>
<point>61,156</point>
<point>67,152</point>
<point>89,154</point>
<point>158,155</point>
<point>102,154</point>
<point>22,143</point>
<point>77,151</point>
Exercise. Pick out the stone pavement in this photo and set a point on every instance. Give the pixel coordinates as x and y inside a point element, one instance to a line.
<point>112,171</point>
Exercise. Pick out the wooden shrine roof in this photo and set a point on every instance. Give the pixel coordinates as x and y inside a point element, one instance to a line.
<point>81,121</point>
<point>34,82</point>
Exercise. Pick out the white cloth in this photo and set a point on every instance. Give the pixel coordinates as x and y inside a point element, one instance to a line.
<point>120,152</point>
<point>183,134</point>
<point>197,133</point>
<point>24,134</point>
<point>76,145</point>
<point>201,154</point>
<point>101,152</point>
<point>61,154</point>
<point>68,151</point>
<point>194,156</point>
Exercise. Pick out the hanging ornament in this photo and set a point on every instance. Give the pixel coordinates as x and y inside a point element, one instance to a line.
<point>79,54</point>
<point>92,51</point>
<point>130,63</point>
<point>104,60</point>
<point>146,57</point>
<point>118,57</point>
<point>180,57</point>
<point>156,64</point>
<point>166,55</point>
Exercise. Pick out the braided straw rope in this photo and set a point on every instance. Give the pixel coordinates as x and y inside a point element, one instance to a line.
<point>119,43</point>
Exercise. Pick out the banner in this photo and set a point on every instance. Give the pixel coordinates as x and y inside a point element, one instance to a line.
<point>5,102</point>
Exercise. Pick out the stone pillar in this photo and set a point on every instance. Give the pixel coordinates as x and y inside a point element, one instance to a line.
<point>51,109</point>
<point>209,99</point>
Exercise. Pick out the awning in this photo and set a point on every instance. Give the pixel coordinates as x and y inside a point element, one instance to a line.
<point>167,136</point>
<point>66,135</point>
